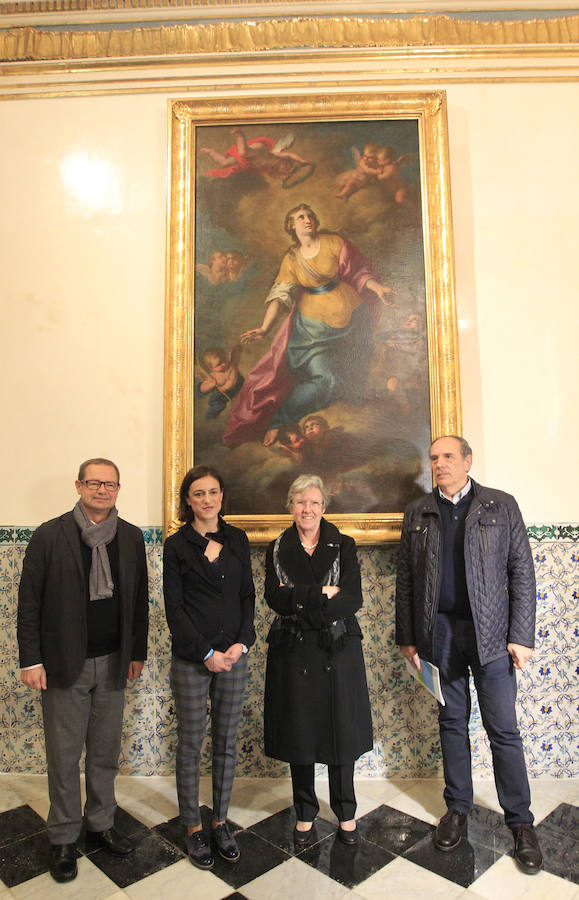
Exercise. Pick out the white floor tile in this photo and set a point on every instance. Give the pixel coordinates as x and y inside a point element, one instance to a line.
<point>179,880</point>
<point>294,880</point>
<point>404,880</point>
<point>33,790</point>
<point>421,798</point>
<point>90,884</point>
<point>504,879</point>
<point>254,799</point>
<point>152,799</point>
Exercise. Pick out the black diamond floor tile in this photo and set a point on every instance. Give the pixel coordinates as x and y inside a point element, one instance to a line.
<point>487,827</point>
<point>347,865</point>
<point>565,818</point>
<point>392,830</point>
<point>256,858</point>
<point>19,823</point>
<point>151,855</point>
<point>24,859</point>
<point>174,831</point>
<point>560,851</point>
<point>125,823</point>
<point>463,865</point>
<point>279,828</point>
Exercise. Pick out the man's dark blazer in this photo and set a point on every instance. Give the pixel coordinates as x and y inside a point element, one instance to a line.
<point>52,601</point>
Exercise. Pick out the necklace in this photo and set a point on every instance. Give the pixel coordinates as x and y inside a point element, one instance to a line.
<point>309,546</point>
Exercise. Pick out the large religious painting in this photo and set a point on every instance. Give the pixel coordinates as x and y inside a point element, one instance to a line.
<point>310,308</point>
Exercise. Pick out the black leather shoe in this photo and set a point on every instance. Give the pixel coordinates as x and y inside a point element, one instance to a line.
<point>63,862</point>
<point>449,832</point>
<point>527,852</point>
<point>198,850</point>
<point>112,841</point>
<point>350,838</point>
<point>303,838</point>
<point>226,843</point>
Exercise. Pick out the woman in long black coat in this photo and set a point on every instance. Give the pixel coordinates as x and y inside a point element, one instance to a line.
<point>316,697</point>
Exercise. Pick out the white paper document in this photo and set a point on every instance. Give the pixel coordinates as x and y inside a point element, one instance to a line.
<point>429,677</point>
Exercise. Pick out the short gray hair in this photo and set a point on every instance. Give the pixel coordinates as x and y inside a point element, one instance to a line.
<point>301,484</point>
<point>465,448</point>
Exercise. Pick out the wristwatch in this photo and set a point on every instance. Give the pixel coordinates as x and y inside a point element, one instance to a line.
<point>244,649</point>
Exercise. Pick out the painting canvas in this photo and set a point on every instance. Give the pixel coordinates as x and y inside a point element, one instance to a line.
<point>311,309</point>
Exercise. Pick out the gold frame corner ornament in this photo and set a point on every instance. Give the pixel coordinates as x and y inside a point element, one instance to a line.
<point>429,109</point>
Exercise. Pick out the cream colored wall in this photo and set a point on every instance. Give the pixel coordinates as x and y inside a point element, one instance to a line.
<point>82,294</point>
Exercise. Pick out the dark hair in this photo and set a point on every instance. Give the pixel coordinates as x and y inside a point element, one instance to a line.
<point>194,474</point>
<point>465,448</point>
<point>97,461</point>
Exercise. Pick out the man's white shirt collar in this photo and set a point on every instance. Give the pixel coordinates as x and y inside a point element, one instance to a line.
<point>457,497</point>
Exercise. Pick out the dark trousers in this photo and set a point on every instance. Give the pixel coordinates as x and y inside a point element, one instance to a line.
<point>192,684</point>
<point>89,713</point>
<point>342,797</point>
<point>455,650</point>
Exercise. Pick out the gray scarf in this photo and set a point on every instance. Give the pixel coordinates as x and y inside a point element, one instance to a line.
<point>97,536</point>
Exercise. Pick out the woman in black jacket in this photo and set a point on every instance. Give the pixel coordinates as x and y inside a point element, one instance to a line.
<point>209,603</point>
<point>316,697</point>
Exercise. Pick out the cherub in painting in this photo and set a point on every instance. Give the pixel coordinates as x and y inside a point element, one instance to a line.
<point>290,442</point>
<point>259,154</point>
<point>237,263</point>
<point>366,168</point>
<point>217,271</point>
<point>389,172</point>
<point>220,379</point>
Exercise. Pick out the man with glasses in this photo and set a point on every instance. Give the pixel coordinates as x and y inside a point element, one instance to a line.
<point>82,629</point>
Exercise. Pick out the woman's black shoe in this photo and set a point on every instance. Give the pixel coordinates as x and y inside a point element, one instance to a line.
<point>226,843</point>
<point>198,850</point>
<point>350,838</point>
<point>303,838</point>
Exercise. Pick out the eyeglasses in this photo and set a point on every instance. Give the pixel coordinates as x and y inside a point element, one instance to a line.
<point>94,485</point>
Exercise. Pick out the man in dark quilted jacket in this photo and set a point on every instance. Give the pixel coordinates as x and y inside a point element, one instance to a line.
<point>465,599</point>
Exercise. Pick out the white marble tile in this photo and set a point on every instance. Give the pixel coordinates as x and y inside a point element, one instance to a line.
<point>33,790</point>
<point>253,799</point>
<point>505,879</point>
<point>546,794</point>
<point>403,879</point>
<point>151,799</point>
<point>179,880</point>
<point>421,798</point>
<point>377,791</point>
<point>9,798</point>
<point>90,884</point>
<point>294,880</point>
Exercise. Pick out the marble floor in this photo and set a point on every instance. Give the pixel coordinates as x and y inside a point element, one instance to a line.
<point>395,855</point>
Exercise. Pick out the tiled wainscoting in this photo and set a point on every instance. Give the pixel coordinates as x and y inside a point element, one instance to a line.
<point>405,728</point>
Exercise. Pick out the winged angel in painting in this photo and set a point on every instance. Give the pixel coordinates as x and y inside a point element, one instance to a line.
<point>334,378</point>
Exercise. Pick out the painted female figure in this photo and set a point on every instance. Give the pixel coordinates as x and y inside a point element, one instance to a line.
<point>322,352</point>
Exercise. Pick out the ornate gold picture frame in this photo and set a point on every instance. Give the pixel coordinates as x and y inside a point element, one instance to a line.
<point>334,210</point>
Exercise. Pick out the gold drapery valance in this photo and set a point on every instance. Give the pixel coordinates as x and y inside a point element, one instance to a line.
<point>177,41</point>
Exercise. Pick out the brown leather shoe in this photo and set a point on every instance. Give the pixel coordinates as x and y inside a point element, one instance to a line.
<point>448,834</point>
<point>527,852</point>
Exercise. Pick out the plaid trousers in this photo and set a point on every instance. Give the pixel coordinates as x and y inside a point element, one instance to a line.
<point>192,683</point>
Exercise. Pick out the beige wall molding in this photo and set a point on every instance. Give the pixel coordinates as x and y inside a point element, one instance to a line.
<point>176,42</point>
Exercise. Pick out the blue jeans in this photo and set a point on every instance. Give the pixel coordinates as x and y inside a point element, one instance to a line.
<point>455,650</point>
